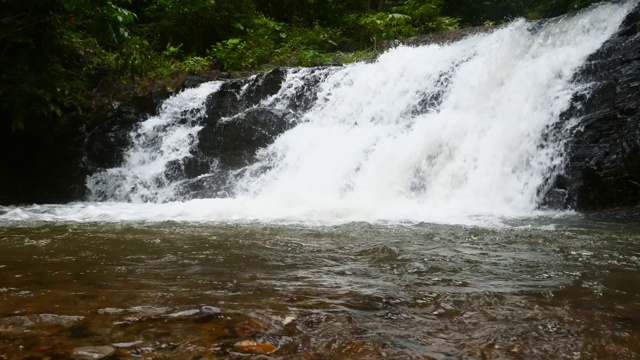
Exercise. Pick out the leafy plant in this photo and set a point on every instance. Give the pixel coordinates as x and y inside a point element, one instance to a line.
<point>234,54</point>
<point>385,26</point>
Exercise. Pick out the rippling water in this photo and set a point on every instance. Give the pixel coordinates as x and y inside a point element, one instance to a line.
<point>539,288</point>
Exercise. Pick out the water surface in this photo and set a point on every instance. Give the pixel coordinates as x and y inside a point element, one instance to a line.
<point>535,289</point>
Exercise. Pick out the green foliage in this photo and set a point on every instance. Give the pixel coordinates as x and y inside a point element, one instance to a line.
<point>473,12</point>
<point>195,24</point>
<point>386,26</point>
<point>398,19</point>
<point>426,15</point>
<point>58,56</point>
<point>52,53</point>
<point>194,64</point>
<point>234,54</point>
<point>132,59</point>
<point>317,37</point>
<point>356,56</point>
<point>308,13</point>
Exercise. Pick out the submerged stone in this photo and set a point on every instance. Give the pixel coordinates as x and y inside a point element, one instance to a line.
<point>39,320</point>
<point>254,347</point>
<point>92,352</point>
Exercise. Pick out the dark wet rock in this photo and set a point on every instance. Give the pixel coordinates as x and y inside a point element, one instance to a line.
<point>53,161</point>
<point>107,140</point>
<point>208,314</point>
<point>191,81</point>
<point>234,128</point>
<point>169,347</point>
<point>603,163</point>
<point>264,85</point>
<point>237,95</point>
<point>92,352</point>
<point>187,168</point>
<point>208,318</point>
<point>395,315</point>
<point>80,330</point>
<point>312,322</point>
<point>556,199</point>
<point>234,141</point>
<point>194,167</point>
<point>195,81</point>
<point>54,167</point>
<point>107,131</point>
<point>625,214</point>
<point>215,185</point>
<point>303,98</point>
<point>238,121</point>
<point>174,170</point>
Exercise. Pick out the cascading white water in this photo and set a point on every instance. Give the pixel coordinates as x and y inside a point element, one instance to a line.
<point>438,133</point>
<point>155,142</point>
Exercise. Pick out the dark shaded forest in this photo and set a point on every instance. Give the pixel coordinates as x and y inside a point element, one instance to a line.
<point>63,56</point>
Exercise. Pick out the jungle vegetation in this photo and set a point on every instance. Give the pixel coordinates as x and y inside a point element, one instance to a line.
<point>61,56</point>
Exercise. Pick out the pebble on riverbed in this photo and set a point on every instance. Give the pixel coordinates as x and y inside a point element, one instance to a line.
<point>254,347</point>
<point>92,352</point>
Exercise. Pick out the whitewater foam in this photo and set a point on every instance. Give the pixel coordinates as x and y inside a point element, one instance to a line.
<point>438,133</point>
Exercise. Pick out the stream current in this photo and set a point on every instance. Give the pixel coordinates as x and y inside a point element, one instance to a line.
<point>561,288</point>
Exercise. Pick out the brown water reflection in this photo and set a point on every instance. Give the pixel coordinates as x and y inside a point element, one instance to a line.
<point>205,291</point>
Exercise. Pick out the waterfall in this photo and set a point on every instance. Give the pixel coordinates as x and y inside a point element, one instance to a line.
<point>436,133</point>
<point>156,142</point>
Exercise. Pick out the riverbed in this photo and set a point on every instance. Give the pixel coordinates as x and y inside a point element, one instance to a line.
<point>561,287</point>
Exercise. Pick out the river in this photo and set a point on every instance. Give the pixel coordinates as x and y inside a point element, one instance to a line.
<point>561,287</point>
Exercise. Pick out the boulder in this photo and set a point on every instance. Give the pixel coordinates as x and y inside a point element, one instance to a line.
<point>240,94</point>
<point>217,184</point>
<point>234,141</point>
<point>603,156</point>
<point>107,132</point>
